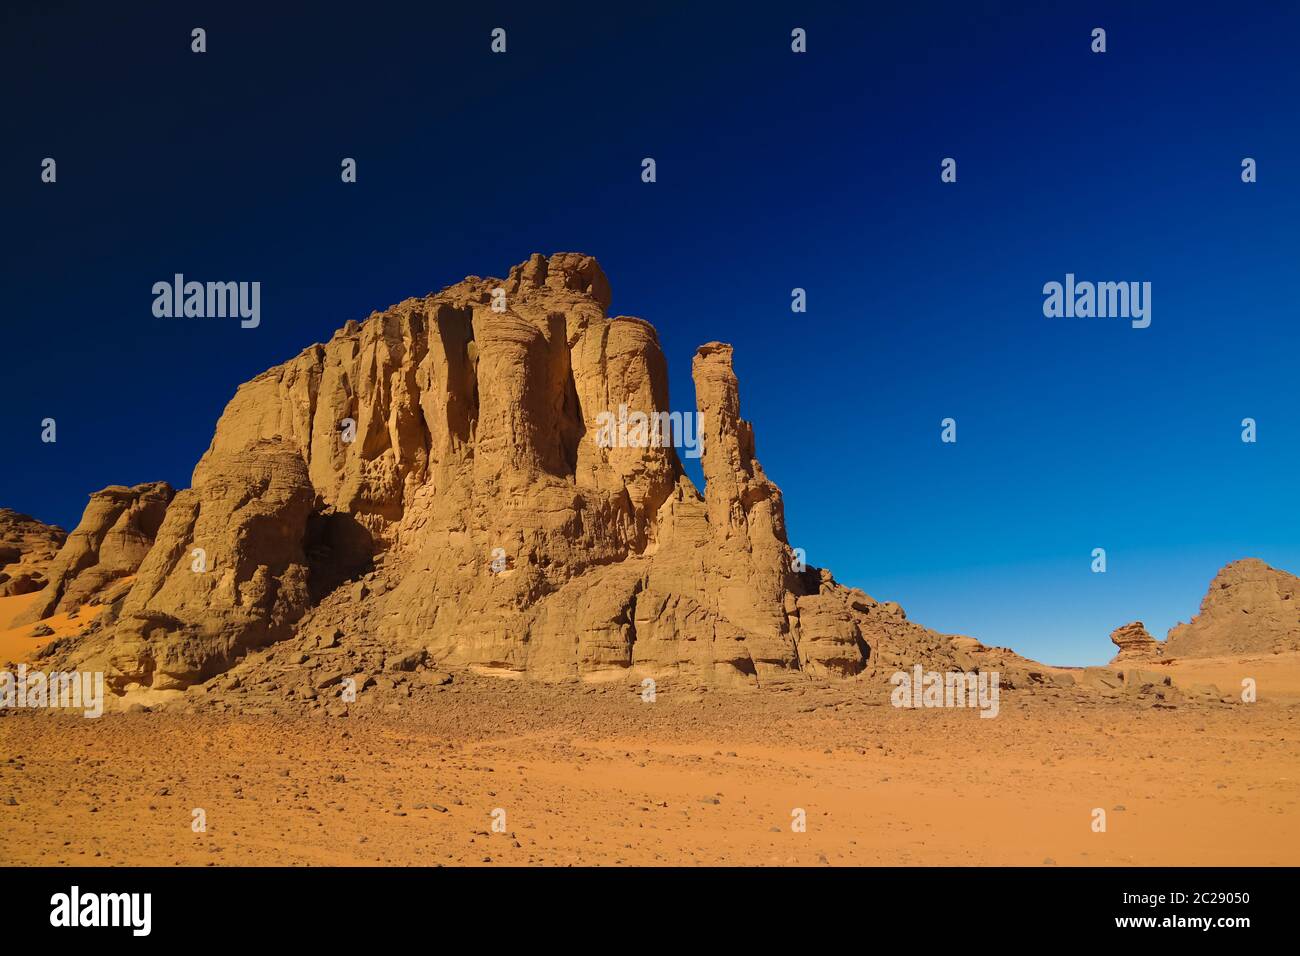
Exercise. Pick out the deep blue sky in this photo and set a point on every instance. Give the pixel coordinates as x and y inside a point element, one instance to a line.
<point>775,171</point>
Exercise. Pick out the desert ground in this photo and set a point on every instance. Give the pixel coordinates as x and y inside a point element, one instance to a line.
<point>594,775</point>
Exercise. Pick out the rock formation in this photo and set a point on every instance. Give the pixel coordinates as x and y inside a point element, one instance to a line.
<point>27,548</point>
<point>446,457</point>
<point>228,570</point>
<point>1250,608</point>
<point>1134,644</point>
<point>115,533</point>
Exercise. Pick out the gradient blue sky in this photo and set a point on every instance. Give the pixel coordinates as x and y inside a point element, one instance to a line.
<point>775,171</point>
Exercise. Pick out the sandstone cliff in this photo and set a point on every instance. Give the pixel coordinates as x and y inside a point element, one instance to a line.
<point>444,455</point>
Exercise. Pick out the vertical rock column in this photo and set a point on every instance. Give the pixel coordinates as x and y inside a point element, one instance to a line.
<point>745,515</point>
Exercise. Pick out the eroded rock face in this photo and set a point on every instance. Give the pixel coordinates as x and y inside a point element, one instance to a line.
<point>227,573</point>
<point>27,549</point>
<point>450,449</point>
<point>1134,643</point>
<point>1250,608</point>
<point>115,533</point>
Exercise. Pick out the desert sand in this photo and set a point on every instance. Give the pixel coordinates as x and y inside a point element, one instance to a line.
<point>594,775</point>
<point>17,642</point>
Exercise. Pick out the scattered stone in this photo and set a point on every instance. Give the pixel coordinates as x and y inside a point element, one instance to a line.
<point>406,662</point>
<point>329,679</point>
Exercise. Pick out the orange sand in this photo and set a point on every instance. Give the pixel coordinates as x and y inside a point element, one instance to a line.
<point>593,775</point>
<point>17,643</point>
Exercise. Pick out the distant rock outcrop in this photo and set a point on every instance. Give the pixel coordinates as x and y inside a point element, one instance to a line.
<point>115,533</point>
<point>27,548</point>
<point>1250,608</point>
<point>1134,643</point>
